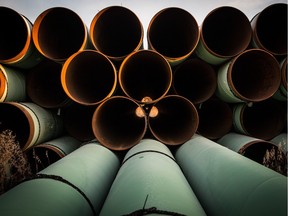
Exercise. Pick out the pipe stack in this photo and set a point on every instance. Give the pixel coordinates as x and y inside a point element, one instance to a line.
<point>196,88</point>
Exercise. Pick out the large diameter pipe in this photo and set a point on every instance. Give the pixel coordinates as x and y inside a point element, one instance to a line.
<point>116,32</point>
<point>270,29</point>
<point>173,120</point>
<point>88,77</point>
<point>119,123</point>
<point>150,182</point>
<point>30,123</point>
<point>194,79</point>
<point>263,120</point>
<point>145,76</point>
<point>44,85</point>
<point>174,33</point>
<point>281,93</point>
<point>224,34</point>
<point>12,84</point>
<point>59,32</point>
<point>227,183</point>
<point>281,141</point>
<point>75,185</point>
<point>16,45</point>
<point>252,76</point>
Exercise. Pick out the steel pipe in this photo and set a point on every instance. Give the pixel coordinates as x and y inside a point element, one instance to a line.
<point>16,45</point>
<point>194,79</point>
<point>225,33</point>
<point>150,182</point>
<point>281,93</point>
<point>174,33</point>
<point>227,183</point>
<point>88,77</point>
<point>173,120</point>
<point>116,32</point>
<point>145,76</point>
<point>119,123</point>
<point>59,32</point>
<point>252,76</point>
<point>281,141</point>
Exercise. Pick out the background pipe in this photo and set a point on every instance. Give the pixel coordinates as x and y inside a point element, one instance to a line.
<point>150,181</point>
<point>194,79</point>
<point>174,33</point>
<point>263,120</point>
<point>281,141</point>
<point>252,76</point>
<point>116,32</point>
<point>88,77</point>
<point>224,34</point>
<point>145,76</point>
<point>16,45</point>
<point>44,85</point>
<point>215,118</point>
<point>12,84</point>
<point>173,120</point>
<point>119,123</point>
<point>226,183</point>
<point>75,185</point>
<point>281,93</point>
<point>30,123</point>
<point>59,32</point>
<point>270,29</point>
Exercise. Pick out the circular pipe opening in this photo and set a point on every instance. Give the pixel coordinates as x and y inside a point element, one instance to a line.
<point>195,79</point>
<point>145,76</point>
<point>175,121</point>
<point>88,77</point>
<point>116,32</point>
<point>117,125</point>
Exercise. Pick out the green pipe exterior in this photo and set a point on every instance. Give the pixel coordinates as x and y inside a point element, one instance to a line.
<point>75,185</point>
<point>226,183</point>
<point>150,181</point>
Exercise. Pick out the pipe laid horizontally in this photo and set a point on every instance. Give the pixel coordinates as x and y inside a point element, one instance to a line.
<point>281,93</point>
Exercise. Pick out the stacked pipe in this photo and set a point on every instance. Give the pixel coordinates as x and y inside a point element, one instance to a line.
<point>224,82</point>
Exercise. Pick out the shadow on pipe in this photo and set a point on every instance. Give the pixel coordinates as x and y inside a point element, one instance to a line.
<point>174,33</point>
<point>224,33</point>
<point>88,77</point>
<point>145,76</point>
<point>194,79</point>
<point>252,76</point>
<point>119,123</point>
<point>173,120</point>
<point>270,29</point>
<point>59,32</point>
<point>16,45</point>
<point>116,32</point>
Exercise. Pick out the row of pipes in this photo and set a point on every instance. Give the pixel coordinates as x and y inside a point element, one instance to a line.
<point>120,130</point>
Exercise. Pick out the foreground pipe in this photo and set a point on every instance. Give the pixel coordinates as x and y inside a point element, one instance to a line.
<point>150,181</point>
<point>59,32</point>
<point>263,120</point>
<point>224,34</point>
<point>30,123</point>
<point>119,123</point>
<point>12,84</point>
<point>252,76</point>
<point>75,185</point>
<point>215,118</point>
<point>145,76</point>
<point>44,85</point>
<point>88,77</point>
<point>226,183</point>
<point>195,79</point>
<point>44,154</point>
<point>116,32</point>
<point>174,33</point>
<point>270,29</point>
<point>281,93</point>
<point>16,45</point>
<point>173,120</point>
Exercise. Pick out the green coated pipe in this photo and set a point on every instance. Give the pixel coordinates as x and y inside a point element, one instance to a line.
<point>281,139</point>
<point>150,182</point>
<point>75,185</point>
<point>227,183</point>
